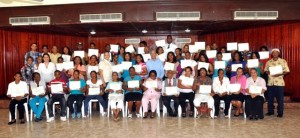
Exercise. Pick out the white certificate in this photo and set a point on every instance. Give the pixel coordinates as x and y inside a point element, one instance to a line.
<point>126,65</point>
<point>203,65</point>
<point>133,84</point>
<point>276,70</point>
<point>187,81</point>
<point>38,90</point>
<point>115,86</point>
<point>114,48</point>
<point>205,89</point>
<point>117,68</point>
<point>93,68</point>
<point>186,63</point>
<point>130,49</point>
<point>160,43</point>
<point>219,64</point>
<point>232,46</point>
<point>211,53</point>
<point>264,54</point>
<point>59,66</point>
<point>252,63</point>
<point>56,88</point>
<point>169,66</point>
<point>162,57</point>
<point>66,58</point>
<point>102,57</point>
<point>141,50</point>
<point>74,85</point>
<point>243,46</point>
<point>200,45</point>
<point>68,65</point>
<point>193,49</point>
<point>234,87</point>
<point>151,84</point>
<point>171,90</point>
<point>234,67</point>
<point>94,91</point>
<point>226,56</point>
<point>93,52</point>
<point>79,54</point>
<point>146,57</point>
<point>255,89</point>
<point>138,68</point>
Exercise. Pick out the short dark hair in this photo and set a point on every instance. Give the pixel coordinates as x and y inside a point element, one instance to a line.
<point>153,71</point>
<point>144,43</point>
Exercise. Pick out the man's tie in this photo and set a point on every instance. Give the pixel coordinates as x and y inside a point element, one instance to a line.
<point>170,84</point>
<point>168,46</point>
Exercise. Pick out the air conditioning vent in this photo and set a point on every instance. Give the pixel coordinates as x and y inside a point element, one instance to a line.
<point>132,41</point>
<point>36,20</point>
<point>183,40</point>
<point>255,15</point>
<point>178,16</point>
<point>107,17</point>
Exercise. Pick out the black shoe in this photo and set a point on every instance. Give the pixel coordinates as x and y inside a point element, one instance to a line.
<point>174,115</point>
<point>11,122</point>
<point>251,117</point>
<point>183,115</point>
<point>38,119</point>
<point>22,121</point>
<point>256,117</point>
<point>269,114</point>
<point>279,116</point>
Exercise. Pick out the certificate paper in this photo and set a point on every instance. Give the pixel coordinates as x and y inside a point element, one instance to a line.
<point>252,63</point>
<point>187,81</point>
<point>276,70</point>
<point>93,68</point>
<point>38,90</point>
<point>203,65</point>
<point>93,52</point>
<point>68,65</point>
<point>141,50</point>
<point>160,43</point>
<point>94,91</point>
<point>56,88</point>
<point>146,57</point>
<point>133,84</point>
<point>115,87</point>
<point>193,49</point>
<point>138,68</point>
<point>74,85</point>
<point>255,89</point>
<point>186,63</point>
<point>162,57</point>
<point>200,45</point>
<point>234,87</point>
<point>264,54</point>
<point>114,48</point>
<point>79,54</point>
<point>234,67</point>
<point>169,66</point>
<point>243,46</point>
<point>130,49</point>
<point>211,53</point>
<point>59,66</point>
<point>66,58</point>
<point>151,84</point>
<point>126,65</point>
<point>226,56</point>
<point>219,64</point>
<point>171,90</point>
<point>205,89</point>
<point>117,68</point>
<point>232,46</point>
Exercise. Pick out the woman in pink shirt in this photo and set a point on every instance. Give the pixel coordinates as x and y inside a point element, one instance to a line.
<point>237,98</point>
<point>140,61</point>
<point>78,65</point>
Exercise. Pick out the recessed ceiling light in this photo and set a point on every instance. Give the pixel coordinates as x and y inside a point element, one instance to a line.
<point>144,31</point>
<point>187,30</point>
<point>93,32</point>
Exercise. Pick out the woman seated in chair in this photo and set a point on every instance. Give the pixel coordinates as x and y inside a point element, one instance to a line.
<point>17,91</point>
<point>94,89</point>
<point>237,97</point>
<point>37,92</point>
<point>133,87</point>
<point>203,100</point>
<point>76,94</point>
<point>255,87</point>
<point>116,97</point>
<point>170,81</point>
<point>220,89</point>
<point>152,89</point>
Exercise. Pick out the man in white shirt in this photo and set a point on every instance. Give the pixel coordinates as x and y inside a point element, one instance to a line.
<point>105,69</point>
<point>169,47</point>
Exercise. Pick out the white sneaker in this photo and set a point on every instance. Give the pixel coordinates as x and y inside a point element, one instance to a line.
<point>129,115</point>
<point>50,119</point>
<point>104,114</point>
<point>138,115</point>
<point>63,118</point>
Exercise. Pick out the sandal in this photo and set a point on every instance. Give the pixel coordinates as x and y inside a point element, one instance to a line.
<point>152,115</point>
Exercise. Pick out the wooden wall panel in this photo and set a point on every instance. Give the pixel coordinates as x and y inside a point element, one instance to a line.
<point>286,37</point>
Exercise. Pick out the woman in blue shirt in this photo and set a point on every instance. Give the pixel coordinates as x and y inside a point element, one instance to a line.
<point>127,58</point>
<point>237,59</point>
<point>121,54</point>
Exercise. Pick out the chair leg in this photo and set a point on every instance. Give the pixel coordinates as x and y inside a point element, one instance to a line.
<point>158,109</point>
<point>46,110</point>
<point>179,111</point>
<point>108,109</point>
<point>26,112</point>
<point>126,109</point>
<point>195,112</point>
<point>90,109</point>
<point>229,110</point>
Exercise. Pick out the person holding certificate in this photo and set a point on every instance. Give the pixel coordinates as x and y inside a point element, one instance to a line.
<point>127,58</point>
<point>66,54</point>
<point>46,69</point>
<point>159,50</point>
<point>220,88</point>
<point>57,87</point>
<point>276,68</point>
<point>185,85</point>
<point>105,69</point>
<point>259,68</point>
<point>17,91</point>
<point>172,59</point>
<point>155,64</point>
<point>94,90</point>
<point>92,66</point>
<point>38,63</point>
<point>178,53</point>
<point>115,62</point>
<point>205,95</point>
<point>64,73</point>
<point>237,96</point>
<point>27,70</point>
<point>152,89</point>
<point>77,89</point>
<point>219,58</point>
<point>78,65</point>
<point>116,97</point>
<point>133,87</point>
<point>140,61</point>
<point>255,87</point>
<point>204,58</point>
<point>237,59</point>
<point>193,64</point>
<point>37,90</point>
<point>83,57</point>
<point>121,54</point>
<point>170,92</point>
<point>55,54</point>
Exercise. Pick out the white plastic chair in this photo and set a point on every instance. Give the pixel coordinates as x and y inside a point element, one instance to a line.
<point>126,109</point>
<point>53,108</point>
<point>180,109</point>
<point>26,112</point>
<point>230,108</point>
<point>109,111</point>
<point>165,111</point>
<point>82,109</point>
<point>46,109</point>
<point>90,107</point>
<point>157,109</point>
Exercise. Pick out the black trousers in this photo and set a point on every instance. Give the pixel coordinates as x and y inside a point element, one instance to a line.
<point>62,102</point>
<point>217,100</point>
<point>183,97</point>
<point>254,106</point>
<point>167,103</point>
<point>78,98</point>
<point>21,108</point>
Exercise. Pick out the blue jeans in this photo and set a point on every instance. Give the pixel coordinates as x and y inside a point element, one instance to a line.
<point>90,97</point>
<point>278,92</point>
<point>37,110</point>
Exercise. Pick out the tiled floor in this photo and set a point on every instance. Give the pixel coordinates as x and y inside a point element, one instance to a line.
<point>270,127</point>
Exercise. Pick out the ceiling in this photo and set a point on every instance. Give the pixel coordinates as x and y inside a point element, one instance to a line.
<point>153,28</point>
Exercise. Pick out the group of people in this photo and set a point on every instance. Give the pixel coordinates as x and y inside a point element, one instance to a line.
<point>172,76</point>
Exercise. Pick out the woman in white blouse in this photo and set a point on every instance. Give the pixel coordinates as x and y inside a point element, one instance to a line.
<point>220,88</point>
<point>255,87</point>
<point>46,69</point>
